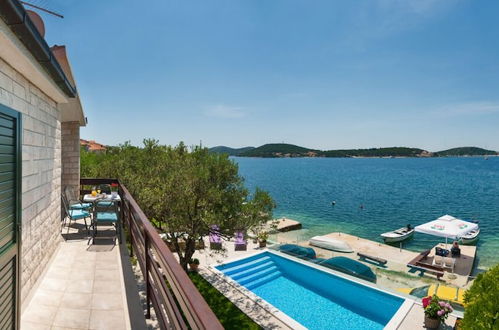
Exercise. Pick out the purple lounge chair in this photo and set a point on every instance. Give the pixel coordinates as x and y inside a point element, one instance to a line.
<point>240,243</point>
<point>215,239</point>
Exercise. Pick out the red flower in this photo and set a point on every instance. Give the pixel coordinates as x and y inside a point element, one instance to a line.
<point>426,301</point>
<point>114,185</point>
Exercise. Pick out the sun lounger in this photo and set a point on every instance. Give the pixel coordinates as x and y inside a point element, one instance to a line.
<point>376,259</point>
<point>215,238</point>
<point>447,293</point>
<point>240,243</point>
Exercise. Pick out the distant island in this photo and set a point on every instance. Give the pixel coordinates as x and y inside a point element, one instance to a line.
<point>284,150</point>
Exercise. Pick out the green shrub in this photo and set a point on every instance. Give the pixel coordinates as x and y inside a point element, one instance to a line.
<point>227,313</point>
<point>482,302</point>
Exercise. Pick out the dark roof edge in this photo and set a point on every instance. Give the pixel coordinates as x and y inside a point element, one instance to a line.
<point>15,16</point>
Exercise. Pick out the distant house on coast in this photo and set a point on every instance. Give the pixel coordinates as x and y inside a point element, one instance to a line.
<point>91,145</point>
<point>40,120</point>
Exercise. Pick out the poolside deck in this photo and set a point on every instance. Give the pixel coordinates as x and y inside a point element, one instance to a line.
<point>267,318</point>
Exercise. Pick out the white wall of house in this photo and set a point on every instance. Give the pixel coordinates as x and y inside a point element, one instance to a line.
<point>41,172</point>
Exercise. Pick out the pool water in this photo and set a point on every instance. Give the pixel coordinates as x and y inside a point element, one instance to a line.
<point>314,298</point>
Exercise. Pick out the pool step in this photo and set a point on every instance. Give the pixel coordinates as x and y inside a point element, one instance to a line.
<point>246,265</point>
<point>256,275</point>
<point>250,271</point>
<point>262,280</point>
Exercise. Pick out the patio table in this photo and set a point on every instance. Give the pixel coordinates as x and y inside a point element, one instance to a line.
<point>88,198</point>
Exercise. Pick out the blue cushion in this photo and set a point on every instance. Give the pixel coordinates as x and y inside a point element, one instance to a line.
<point>78,214</point>
<point>107,216</point>
<point>81,206</point>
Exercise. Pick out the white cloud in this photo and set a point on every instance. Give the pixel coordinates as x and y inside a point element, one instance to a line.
<point>467,109</point>
<point>224,111</point>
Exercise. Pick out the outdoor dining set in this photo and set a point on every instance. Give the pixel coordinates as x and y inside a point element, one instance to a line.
<point>101,208</point>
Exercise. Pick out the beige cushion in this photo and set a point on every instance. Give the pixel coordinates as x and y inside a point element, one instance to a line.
<point>437,260</point>
<point>449,262</point>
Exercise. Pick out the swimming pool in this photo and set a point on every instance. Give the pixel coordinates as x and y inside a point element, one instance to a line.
<point>317,299</point>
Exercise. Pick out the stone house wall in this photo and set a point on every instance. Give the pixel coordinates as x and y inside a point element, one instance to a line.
<point>41,172</point>
<point>70,137</point>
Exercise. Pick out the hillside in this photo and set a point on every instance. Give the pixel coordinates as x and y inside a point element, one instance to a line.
<point>281,150</point>
<point>230,151</point>
<point>465,151</point>
<point>379,152</point>
<point>277,150</point>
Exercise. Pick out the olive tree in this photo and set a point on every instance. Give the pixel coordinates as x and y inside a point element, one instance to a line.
<point>198,190</point>
<point>184,191</point>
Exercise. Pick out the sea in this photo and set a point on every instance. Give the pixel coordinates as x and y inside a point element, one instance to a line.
<point>369,196</point>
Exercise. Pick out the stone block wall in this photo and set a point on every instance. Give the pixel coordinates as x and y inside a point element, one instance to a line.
<point>70,137</point>
<point>41,172</point>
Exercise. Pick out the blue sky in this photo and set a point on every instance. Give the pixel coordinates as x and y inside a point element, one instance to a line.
<point>321,74</point>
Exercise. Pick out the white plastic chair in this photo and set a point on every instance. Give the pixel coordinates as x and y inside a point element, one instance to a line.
<point>449,263</point>
<point>438,261</point>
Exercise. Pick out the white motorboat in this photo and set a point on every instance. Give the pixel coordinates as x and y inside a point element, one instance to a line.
<point>398,235</point>
<point>329,243</point>
<point>470,237</point>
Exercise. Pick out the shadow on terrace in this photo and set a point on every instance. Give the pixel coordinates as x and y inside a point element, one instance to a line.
<point>90,283</point>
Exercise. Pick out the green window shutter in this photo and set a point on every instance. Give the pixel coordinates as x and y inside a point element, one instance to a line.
<point>10,214</point>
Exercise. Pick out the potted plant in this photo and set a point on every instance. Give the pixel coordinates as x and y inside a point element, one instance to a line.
<point>435,311</point>
<point>194,264</point>
<point>262,238</point>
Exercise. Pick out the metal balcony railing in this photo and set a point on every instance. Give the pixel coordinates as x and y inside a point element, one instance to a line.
<point>176,301</point>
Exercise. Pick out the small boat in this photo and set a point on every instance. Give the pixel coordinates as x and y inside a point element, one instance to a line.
<point>350,267</point>
<point>398,235</point>
<point>329,243</point>
<point>471,237</point>
<point>298,251</point>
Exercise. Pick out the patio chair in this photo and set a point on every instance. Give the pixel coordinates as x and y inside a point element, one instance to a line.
<point>449,263</point>
<point>240,244</point>
<point>74,203</point>
<point>73,214</point>
<point>215,238</point>
<point>106,214</point>
<point>438,261</point>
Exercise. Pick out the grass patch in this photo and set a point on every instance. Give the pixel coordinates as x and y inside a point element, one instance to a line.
<point>229,315</point>
<point>404,275</point>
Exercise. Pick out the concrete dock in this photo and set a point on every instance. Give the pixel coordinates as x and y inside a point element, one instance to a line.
<point>282,225</point>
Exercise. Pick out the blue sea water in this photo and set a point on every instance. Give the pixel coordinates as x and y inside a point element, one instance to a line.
<point>316,299</point>
<point>393,192</point>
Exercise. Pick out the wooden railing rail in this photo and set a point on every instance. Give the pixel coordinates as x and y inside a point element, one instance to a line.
<point>176,301</point>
